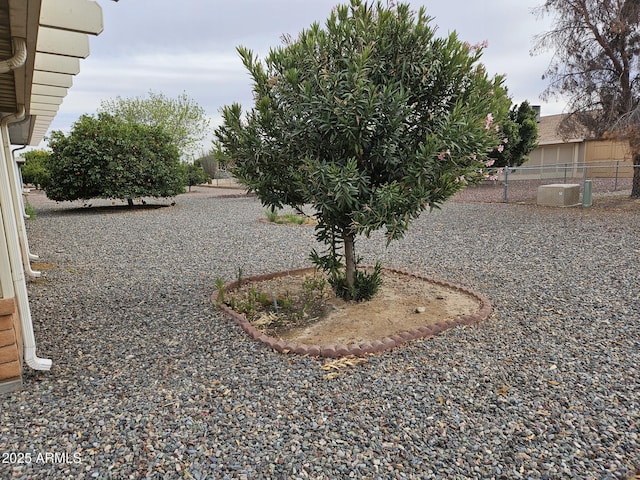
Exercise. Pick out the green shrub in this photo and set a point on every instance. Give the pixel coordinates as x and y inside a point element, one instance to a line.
<point>29,210</point>
<point>194,174</point>
<point>104,157</point>
<point>365,284</point>
<point>34,171</point>
<point>272,214</point>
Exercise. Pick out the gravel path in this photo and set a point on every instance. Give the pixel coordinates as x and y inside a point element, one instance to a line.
<point>149,381</point>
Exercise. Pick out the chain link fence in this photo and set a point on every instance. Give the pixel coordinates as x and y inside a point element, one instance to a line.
<point>520,184</point>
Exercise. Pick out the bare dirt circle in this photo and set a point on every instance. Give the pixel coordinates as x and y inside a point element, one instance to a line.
<point>403,303</point>
<point>295,311</point>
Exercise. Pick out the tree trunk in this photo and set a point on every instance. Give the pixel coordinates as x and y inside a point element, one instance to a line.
<point>635,188</point>
<point>350,260</point>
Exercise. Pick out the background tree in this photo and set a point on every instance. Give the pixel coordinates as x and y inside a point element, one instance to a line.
<point>106,157</point>
<point>181,118</point>
<point>209,164</point>
<point>519,132</point>
<point>194,174</point>
<point>34,170</point>
<point>370,120</point>
<point>597,67</point>
<point>222,157</point>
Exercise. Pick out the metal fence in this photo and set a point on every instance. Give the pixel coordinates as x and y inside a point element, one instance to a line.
<point>605,175</point>
<point>520,184</point>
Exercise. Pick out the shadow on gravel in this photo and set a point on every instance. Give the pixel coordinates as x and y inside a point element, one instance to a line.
<point>99,210</point>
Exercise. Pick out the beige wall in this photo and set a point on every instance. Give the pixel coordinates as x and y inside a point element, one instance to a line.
<point>553,157</point>
<point>556,154</point>
<point>601,154</point>
<point>605,152</point>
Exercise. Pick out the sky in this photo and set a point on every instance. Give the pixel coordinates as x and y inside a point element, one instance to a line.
<point>172,47</point>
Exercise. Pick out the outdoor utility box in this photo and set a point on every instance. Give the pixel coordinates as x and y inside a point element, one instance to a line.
<point>559,195</point>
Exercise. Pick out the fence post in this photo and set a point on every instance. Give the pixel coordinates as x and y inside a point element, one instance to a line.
<point>565,173</point>
<point>505,189</point>
<point>586,194</point>
<point>615,187</point>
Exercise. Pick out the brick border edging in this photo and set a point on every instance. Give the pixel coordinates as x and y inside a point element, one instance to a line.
<point>342,350</point>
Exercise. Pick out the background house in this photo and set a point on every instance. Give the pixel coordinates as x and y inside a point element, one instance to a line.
<point>41,44</point>
<point>554,154</point>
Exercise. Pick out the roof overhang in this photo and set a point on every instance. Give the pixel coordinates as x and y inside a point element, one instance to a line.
<point>56,34</point>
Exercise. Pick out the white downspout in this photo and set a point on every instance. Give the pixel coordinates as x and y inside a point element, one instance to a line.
<point>6,279</point>
<point>19,57</point>
<point>20,180</point>
<point>10,226</point>
<point>15,259</point>
<point>16,191</point>
<point>31,256</point>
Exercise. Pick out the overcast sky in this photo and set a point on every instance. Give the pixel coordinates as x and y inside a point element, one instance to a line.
<point>171,47</point>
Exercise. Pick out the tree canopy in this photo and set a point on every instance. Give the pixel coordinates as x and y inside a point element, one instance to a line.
<point>597,67</point>
<point>194,174</point>
<point>370,119</point>
<point>106,157</point>
<point>181,118</point>
<point>519,132</point>
<point>34,170</point>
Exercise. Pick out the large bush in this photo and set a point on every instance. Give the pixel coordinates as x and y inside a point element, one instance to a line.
<point>104,157</point>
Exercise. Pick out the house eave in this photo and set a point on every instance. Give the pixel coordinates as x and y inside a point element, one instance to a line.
<point>56,34</point>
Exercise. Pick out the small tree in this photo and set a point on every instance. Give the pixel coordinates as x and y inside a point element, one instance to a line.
<point>105,157</point>
<point>194,174</point>
<point>34,170</point>
<point>519,132</point>
<point>370,120</point>
<point>181,118</point>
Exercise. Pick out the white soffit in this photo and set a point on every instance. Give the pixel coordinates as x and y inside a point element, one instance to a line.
<point>49,91</point>
<point>75,15</point>
<point>52,79</point>
<point>43,121</point>
<point>46,62</point>
<point>62,42</point>
<point>46,99</point>
<point>37,111</point>
<point>44,107</point>
<point>40,126</point>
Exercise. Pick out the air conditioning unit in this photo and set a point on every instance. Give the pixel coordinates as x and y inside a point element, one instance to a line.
<point>559,195</point>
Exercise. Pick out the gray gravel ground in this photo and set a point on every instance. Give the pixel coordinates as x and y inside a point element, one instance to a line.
<point>149,381</point>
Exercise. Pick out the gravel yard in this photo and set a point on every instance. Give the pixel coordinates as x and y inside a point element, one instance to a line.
<point>150,381</point>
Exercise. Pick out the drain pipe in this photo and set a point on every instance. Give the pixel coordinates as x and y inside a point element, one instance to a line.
<point>31,256</point>
<point>20,180</point>
<point>16,191</point>
<point>15,260</point>
<point>10,225</point>
<point>19,57</point>
<point>6,279</point>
